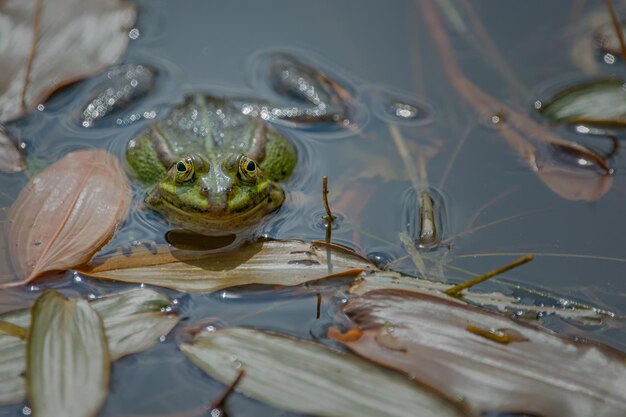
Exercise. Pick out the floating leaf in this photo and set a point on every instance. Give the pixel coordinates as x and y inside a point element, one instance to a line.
<point>66,213</point>
<point>13,360</point>
<point>596,103</point>
<point>68,358</point>
<point>48,44</point>
<point>124,84</point>
<point>494,362</point>
<point>270,263</point>
<point>133,321</point>
<point>309,378</point>
<point>392,280</point>
<point>10,158</point>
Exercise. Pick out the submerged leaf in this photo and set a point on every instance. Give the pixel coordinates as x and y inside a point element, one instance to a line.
<point>568,169</point>
<point>600,102</point>
<point>270,263</point>
<point>68,358</point>
<point>133,321</point>
<point>124,84</point>
<point>66,213</point>
<point>10,158</point>
<point>309,378</point>
<point>48,44</point>
<point>496,363</point>
<point>571,174</point>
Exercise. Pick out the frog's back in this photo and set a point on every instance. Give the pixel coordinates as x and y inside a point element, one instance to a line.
<point>212,127</point>
<point>208,125</point>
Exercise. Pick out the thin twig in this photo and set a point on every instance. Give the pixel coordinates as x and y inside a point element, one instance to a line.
<point>618,28</point>
<point>490,51</point>
<point>457,289</point>
<point>318,305</point>
<point>428,233</point>
<point>329,215</point>
<point>33,51</point>
<point>12,329</point>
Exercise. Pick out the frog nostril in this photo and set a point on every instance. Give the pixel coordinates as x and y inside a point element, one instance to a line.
<point>204,191</point>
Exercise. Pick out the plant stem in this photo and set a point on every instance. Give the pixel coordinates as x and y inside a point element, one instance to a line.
<point>456,290</point>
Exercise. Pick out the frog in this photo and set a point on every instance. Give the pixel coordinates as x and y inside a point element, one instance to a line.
<point>211,169</point>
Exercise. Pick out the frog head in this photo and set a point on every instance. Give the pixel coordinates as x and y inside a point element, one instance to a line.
<point>214,198</point>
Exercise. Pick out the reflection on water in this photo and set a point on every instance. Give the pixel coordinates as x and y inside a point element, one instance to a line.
<point>494,207</point>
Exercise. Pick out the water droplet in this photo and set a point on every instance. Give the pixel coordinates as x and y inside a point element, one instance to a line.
<point>609,59</point>
<point>162,339</point>
<point>41,107</point>
<point>134,33</point>
<point>27,411</point>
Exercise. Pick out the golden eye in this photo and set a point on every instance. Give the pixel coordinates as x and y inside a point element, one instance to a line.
<point>184,169</point>
<point>247,168</point>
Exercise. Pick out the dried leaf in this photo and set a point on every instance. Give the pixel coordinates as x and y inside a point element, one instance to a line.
<point>133,321</point>
<point>10,158</point>
<point>309,378</point>
<point>595,103</point>
<point>270,263</point>
<point>68,358</point>
<point>494,362</point>
<point>66,213</point>
<point>13,361</point>
<point>392,280</point>
<point>47,44</point>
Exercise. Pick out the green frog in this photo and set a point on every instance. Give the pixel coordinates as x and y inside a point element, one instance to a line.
<point>212,169</point>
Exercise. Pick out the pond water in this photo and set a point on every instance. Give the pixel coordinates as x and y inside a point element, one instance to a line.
<point>491,207</point>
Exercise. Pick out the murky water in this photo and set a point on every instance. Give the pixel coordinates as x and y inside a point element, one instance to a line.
<point>490,207</point>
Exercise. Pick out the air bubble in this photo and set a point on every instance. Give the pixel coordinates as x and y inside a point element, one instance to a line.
<point>398,108</point>
<point>380,259</point>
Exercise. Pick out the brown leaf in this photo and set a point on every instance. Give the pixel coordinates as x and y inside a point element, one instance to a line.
<point>269,263</point>
<point>568,169</point>
<point>10,158</point>
<point>496,363</point>
<point>66,213</point>
<point>48,44</point>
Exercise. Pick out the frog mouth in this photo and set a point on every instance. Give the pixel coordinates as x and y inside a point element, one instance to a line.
<point>213,222</point>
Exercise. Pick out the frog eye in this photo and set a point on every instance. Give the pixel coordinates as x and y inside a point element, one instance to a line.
<point>184,169</point>
<point>248,169</point>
